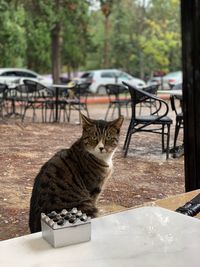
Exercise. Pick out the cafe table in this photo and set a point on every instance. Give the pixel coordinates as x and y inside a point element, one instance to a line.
<point>148,236</point>
<point>57,88</point>
<point>170,92</point>
<point>179,150</point>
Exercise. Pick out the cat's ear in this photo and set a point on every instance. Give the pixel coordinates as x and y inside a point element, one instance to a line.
<point>118,122</point>
<point>85,120</point>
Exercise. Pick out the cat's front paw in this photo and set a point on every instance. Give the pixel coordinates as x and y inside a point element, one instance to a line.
<point>96,191</point>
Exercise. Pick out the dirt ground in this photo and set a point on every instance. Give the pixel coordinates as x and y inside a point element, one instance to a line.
<point>144,176</point>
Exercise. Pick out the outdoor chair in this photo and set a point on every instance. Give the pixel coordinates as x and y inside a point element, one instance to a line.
<point>34,96</point>
<point>179,121</point>
<point>156,122</point>
<point>150,103</point>
<point>115,102</point>
<point>63,107</point>
<point>3,93</point>
<point>77,99</point>
<point>13,103</point>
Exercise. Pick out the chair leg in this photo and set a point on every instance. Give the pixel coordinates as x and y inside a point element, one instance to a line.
<point>163,138</point>
<point>168,138</point>
<point>127,144</point>
<point>113,110</point>
<point>59,113</point>
<point>127,115</point>
<point>51,115</point>
<point>34,114</point>
<point>140,109</point>
<point>177,128</point>
<point>23,116</point>
<point>86,109</point>
<point>69,113</point>
<point>109,106</point>
<point>129,129</point>
<point>42,112</point>
<point>65,114</point>
<point>45,111</point>
<point>165,149</point>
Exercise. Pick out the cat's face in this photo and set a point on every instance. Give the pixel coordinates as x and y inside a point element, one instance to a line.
<point>101,137</point>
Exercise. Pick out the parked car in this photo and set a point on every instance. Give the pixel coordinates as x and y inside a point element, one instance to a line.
<point>155,80</point>
<point>172,78</point>
<point>16,75</point>
<point>167,81</point>
<point>99,78</point>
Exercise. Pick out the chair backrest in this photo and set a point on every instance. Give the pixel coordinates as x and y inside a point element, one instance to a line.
<point>153,89</point>
<point>81,91</point>
<point>3,91</point>
<point>34,89</point>
<point>115,89</point>
<point>141,95</point>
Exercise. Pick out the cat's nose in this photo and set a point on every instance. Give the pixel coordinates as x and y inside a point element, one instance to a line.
<point>101,148</point>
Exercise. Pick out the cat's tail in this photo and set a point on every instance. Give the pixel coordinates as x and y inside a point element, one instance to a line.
<point>34,221</point>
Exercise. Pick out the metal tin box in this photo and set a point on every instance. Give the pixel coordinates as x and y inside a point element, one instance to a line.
<point>65,228</point>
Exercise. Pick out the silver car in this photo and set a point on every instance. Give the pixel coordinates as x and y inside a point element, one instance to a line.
<point>172,78</point>
<point>16,75</point>
<point>167,81</point>
<point>99,78</point>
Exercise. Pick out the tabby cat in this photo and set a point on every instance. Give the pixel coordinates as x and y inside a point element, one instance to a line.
<point>74,177</point>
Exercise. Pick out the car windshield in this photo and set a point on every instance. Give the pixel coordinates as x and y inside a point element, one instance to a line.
<point>124,75</point>
<point>9,73</point>
<point>86,75</point>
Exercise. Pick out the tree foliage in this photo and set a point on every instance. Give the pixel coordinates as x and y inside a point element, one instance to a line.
<point>12,41</point>
<point>144,36</point>
<point>141,37</point>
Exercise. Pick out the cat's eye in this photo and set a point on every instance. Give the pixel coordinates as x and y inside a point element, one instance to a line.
<point>108,137</point>
<point>94,137</point>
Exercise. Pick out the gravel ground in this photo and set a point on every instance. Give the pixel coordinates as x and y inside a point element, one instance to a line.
<point>144,176</point>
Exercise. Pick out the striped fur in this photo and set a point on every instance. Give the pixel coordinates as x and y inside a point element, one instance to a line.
<point>74,177</point>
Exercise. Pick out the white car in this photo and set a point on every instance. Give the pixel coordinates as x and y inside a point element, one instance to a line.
<point>167,81</point>
<point>99,78</point>
<point>172,78</point>
<point>16,75</point>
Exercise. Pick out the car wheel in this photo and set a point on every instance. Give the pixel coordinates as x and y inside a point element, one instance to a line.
<point>101,90</point>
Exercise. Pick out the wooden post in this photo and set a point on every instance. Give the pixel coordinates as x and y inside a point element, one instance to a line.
<point>190,20</point>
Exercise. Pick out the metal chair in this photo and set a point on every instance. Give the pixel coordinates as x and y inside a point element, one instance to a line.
<point>179,124</point>
<point>3,94</point>
<point>158,119</point>
<point>35,96</point>
<point>13,103</point>
<point>115,102</point>
<point>150,103</point>
<point>77,99</point>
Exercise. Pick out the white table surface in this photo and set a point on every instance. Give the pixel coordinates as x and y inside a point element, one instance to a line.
<point>67,86</point>
<point>143,237</point>
<point>171,92</point>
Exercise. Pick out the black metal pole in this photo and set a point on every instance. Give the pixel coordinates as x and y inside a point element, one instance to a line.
<point>190,21</point>
<point>57,93</point>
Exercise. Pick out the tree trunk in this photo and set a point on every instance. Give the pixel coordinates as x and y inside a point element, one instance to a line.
<point>106,49</point>
<point>55,46</point>
<point>141,64</point>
